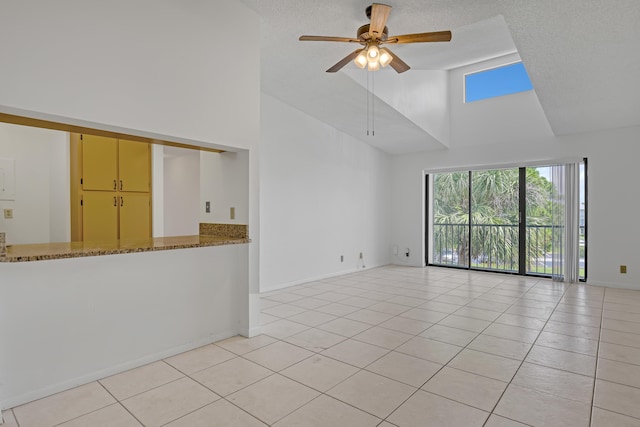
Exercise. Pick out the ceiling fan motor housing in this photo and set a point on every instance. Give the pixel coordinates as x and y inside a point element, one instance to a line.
<point>363,33</point>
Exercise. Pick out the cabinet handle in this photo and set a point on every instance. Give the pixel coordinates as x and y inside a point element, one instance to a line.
<point>115,186</point>
<point>115,201</point>
<point>121,201</point>
<point>120,185</point>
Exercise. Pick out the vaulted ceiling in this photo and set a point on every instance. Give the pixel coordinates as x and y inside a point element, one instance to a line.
<point>583,57</point>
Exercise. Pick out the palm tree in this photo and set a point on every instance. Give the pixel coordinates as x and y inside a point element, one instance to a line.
<point>494,214</point>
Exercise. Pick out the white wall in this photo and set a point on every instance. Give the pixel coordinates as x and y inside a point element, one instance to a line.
<point>41,211</point>
<point>59,185</point>
<point>181,183</point>
<point>41,208</point>
<point>154,68</point>
<point>496,120</point>
<point>67,322</point>
<point>151,65</point>
<point>157,190</point>
<point>224,181</point>
<point>421,95</point>
<point>323,194</point>
<point>511,131</point>
<point>613,195</point>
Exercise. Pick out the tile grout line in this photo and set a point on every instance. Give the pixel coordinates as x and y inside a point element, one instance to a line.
<point>184,375</point>
<point>15,417</point>
<point>529,351</point>
<point>389,286</point>
<point>191,412</point>
<point>225,397</point>
<point>321,393</point>
<point>142,392</point>
<point>446,364</point>
<point>389,351</point>
<point>477,334</point>
<point>595,374</point>
<point>120,403</point>
<point>399,315</point>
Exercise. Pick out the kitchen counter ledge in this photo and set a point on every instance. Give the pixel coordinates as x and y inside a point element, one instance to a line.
<point>210,236</point>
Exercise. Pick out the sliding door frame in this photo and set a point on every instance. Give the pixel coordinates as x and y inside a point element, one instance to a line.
<point>522,224</point>
<point>522,221</point>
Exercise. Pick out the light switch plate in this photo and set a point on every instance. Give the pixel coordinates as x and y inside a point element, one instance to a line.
<point>8,214</point>
<point>232,213</point>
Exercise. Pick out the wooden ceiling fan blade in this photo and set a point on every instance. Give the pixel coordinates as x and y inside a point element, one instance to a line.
<point>328,39</point>
<point>437,36</point>
<point>344,61</point>
<point>379,15</point>
<point>397,64</point>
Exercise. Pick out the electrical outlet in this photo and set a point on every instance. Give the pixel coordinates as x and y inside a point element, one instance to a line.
<point>232,213</point>
<point>406,252</point>
<point>623,269</point>
<point>360,255</point>
<point>8,213</point>
<point>341,258</point>
<point>207,207</point>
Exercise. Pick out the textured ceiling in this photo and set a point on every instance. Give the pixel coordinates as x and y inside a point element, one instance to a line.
<point>583,57</point>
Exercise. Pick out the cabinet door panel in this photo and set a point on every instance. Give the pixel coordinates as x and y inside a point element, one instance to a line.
<point>99,163</point>
<point>135,216</point>
<point>99,216</point>
<point>134,161</point>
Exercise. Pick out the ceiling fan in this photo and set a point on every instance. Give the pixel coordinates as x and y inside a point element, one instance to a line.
<point>372,36</point>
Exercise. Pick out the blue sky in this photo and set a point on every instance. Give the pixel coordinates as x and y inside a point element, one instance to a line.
<point>499,81</point>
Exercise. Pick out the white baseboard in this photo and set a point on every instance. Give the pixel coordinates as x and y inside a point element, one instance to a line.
<point>251,332</point>
<point>613,285</point>
<point>404,262</point>
<point>30,396</point>
<point>316,278</point>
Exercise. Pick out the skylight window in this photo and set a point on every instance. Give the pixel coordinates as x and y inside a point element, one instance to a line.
<point>495,82</point>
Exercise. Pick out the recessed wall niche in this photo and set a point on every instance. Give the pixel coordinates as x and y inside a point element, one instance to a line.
<point>41,206</point>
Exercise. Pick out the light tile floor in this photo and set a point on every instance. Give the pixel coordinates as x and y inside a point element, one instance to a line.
<point>391,346</point>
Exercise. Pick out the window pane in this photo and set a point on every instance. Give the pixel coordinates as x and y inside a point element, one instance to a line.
<point>539,221</point>
<point>494,219</point>
<point>476,221</point>
<point>496,82</point>
<point>451,218</point>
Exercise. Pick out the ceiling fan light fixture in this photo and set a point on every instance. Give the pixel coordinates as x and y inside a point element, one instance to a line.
<point>373,53</point>
<point>370,36</point>
<point>361,59</point>
<point>385,57</point>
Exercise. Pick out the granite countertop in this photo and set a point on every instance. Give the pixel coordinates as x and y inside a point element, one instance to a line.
<point>211,235</point>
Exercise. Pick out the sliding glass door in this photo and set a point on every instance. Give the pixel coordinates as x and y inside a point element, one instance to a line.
<point>495,207</point>
<point>502,220</point>
<point>539,221</point>
<point>451,219</point>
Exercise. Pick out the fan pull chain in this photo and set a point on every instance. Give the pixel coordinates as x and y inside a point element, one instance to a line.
<point>368,102</point>
<point>371,105</point>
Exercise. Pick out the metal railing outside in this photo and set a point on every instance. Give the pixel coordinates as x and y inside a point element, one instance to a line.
<point>495,247</point>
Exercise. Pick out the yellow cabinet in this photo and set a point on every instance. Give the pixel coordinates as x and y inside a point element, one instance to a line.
<point>135,216</point>
<point>99,163</point>
<point>113,189</point>
<point>100,216</point>
<point>134,166</point>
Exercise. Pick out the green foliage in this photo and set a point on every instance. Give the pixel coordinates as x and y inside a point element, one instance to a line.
<point>494,216</point>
